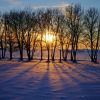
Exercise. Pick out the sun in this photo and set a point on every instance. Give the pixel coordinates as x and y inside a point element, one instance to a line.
<point>49,37</point>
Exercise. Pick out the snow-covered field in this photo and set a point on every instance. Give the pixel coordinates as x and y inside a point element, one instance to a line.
<point>37,80</point>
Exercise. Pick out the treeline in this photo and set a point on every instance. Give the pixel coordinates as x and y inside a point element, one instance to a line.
<point>24,30</point>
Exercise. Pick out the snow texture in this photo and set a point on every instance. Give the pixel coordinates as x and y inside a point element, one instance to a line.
<point>37,80</point>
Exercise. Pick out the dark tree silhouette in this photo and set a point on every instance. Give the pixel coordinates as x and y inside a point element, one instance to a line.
<point>73,17</point>
<point>92,32</point>
<point>24,30</point>
<point>18,26</point>
<point>48,21</point>
<point>56,17</point>
<point>64,38</point>
<point>3,40</point>
<point>41,28</point>
<point>30,33</point>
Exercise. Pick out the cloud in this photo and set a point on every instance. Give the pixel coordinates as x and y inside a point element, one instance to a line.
<point>33,4</point>
<point>59,5</point>
<point>15,2</point>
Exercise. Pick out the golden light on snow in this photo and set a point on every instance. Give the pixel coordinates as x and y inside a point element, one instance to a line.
<point>48,37</point>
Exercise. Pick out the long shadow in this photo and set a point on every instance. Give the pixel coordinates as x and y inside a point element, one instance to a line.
<point>61,70</point>
<point>21,73</point>
<point>81,88</point>
<point>77,75</point>
<point>91,69</point>
<point>70,85</point>
<point>6,67</point>
<point>81,70</point>
<point>87,78</point>
<point>58,72</point>
<point>43,89</point>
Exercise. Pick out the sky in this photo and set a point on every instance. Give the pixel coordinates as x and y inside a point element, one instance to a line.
<point>6,5</point>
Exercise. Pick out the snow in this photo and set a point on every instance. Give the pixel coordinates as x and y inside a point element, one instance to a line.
<point>37,80</point>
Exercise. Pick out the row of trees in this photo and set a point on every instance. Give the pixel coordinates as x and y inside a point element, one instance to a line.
<point>24,30</point>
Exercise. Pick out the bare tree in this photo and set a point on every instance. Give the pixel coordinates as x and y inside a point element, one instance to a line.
<point>56,19</point>
<point>27,28</point>
<point>48,21</point>
<point>10,36</point>
<point>41,28</point>
<point>73,17</point>
<point>1,34</point>
<point>3,41</point>
<point>64,38</point>
<point>92,32</point>
<point>18,26</point>
<point>30,36</point>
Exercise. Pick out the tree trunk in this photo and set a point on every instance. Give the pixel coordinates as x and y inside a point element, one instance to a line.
<point>10,51</point>
<point>60,55</point>
<point>48,48</point>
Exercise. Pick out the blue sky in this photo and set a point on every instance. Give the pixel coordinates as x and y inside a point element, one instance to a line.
<point>6,5</point>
